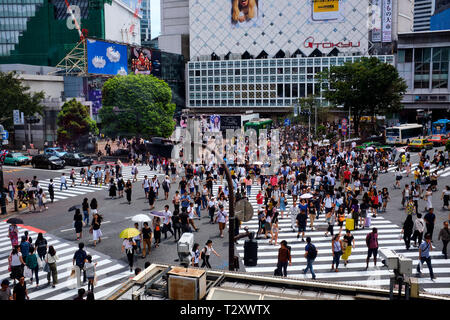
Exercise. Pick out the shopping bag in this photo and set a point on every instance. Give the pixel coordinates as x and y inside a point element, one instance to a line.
<point>46,267</point>
<point>95,280</point>
<point>350,224</point>
<point>368,222</point>
<point>39,262</point>
<point>72,273</point>
<point>27,273</point>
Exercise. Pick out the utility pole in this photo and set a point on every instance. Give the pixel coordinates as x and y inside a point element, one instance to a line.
<point>2,186</point>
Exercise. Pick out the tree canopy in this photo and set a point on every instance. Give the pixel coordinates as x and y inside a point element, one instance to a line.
<point>74,122</point>
<point>14,95</point>
<point>367,86</point>
<point>137,105</point>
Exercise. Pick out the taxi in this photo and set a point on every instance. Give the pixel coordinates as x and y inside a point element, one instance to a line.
<point>419,144</point>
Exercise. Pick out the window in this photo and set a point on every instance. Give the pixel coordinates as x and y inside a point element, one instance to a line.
<point>422,68</point>
<point>440,67</point>
<point>280,90</point>
<point>287,90</point>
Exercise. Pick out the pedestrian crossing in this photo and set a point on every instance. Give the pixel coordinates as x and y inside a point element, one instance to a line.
<point>111,273</point>
<point>354,273</point>
<point>443,172</point>
<point>79,190</point>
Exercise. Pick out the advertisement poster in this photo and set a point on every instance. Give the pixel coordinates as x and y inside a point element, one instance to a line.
<point>95,95</point>
<point>375,20</point>
<point>214,123</point>
<point>230,122</point>
<point>440,20</point>
<point>327,10</point>
<point>387,21</point>
<point>246,13</point>
<point>106,58</point>
<point>145,61</point>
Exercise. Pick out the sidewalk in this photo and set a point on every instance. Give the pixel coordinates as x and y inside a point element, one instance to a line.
<point>10,211</point>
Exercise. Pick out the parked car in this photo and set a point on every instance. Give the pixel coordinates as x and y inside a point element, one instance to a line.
<point>47,161</point>
<point>419,144</point>
<point>77,159</point>
<point>438,139</point>
<point>16,158</point>
<point>58,152</point>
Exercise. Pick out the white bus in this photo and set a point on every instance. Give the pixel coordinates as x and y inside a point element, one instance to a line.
<point>402,133</point>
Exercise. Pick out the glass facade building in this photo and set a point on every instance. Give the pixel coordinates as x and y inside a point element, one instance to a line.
<point>38,32</point>
<point>146,30</point>
<point>273,83</point>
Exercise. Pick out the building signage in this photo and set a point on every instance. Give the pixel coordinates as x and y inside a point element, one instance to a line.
<point>387,21</point>
<point>310,43</point>
<point>375,20</point>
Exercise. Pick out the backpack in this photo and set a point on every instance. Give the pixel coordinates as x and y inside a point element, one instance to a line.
<point>312,252</point>
<point>202,254</point>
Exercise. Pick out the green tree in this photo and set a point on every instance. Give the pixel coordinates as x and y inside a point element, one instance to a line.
<point>74,122</point>
<point>367,87</point>
<point>137,105</point>
<point>14,95</point>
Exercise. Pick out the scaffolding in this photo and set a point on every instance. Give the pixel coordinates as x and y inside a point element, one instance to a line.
<point>75,62</point>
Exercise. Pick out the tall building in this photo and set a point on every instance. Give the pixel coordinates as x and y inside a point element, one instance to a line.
<point>174,36</point>
<point>42,32</point>
<point>146,28</point>
<point>423,10</point>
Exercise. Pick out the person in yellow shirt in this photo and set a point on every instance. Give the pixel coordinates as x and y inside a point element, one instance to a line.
<point>417,176</point>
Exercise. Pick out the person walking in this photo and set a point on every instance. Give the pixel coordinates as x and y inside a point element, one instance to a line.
<point>78,261</point>
<point>85,208</point>
<point>446,197</point>
<point>424,256</point>
<point>157,230</point>
<point>128,190</point>
<point>41,246</point>
<point>63,181</point>
<point>407,230</point>
<point>78,223</point>
<point>336,250</point>
<point>206,253</point>
<point>221,218</point>
<point>112,189</point>
<point>50,258</point>
<point>176,225</point>
<point>284,258</point>
<point>430,219</point>
<point>195,255</point>
<point>293,213</point>
<point>90,268</point>
<point>167,225</point>
<point>138,240</point>
<point>310,255</point>
<point>20,292</point>
<point>94,206</point>
<point>51,190</point>
<point>419,228</point>
<point>5,291</point>
<point>16,263</point>
<point>166,187</point>
<point>95,228</point>
<point>32,263</point>
<point>72,177</point>
<point>347,245</point>
<point>372,245</point>
<point>146,239</point>
<point>444,235</point>
<point>128,249</point>
<point>151,198</point>
<point>120,186</point>
<point>301,223</point>
<point>13,235</point>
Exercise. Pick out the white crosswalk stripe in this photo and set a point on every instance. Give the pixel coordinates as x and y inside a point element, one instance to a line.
<point>110,272</point>
<point>354,272</point>
<point>79,190</point>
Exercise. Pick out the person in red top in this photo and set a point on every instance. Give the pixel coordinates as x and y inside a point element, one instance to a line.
<point>374,200</point>
<point>274,181</point>
<point>347,177</point>
<point>259,199</point>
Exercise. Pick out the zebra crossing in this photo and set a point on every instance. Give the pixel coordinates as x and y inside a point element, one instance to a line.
<point>111,273</point>
<point>433,169</point>
<point>79,190</point>
<point>354,273</point>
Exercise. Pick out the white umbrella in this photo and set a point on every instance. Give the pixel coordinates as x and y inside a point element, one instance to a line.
<point>141,218</point>
<point>401,150</point>
<point>369,148</point>
<point>306,196</point>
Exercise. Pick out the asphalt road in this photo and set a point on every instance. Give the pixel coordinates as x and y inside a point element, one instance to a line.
<point>117,216</point>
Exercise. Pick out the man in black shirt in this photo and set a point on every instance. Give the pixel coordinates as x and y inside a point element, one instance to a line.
<point>78,261</point>
<point>184,218</point>
<point>183,184</point>
<point>20,290</point>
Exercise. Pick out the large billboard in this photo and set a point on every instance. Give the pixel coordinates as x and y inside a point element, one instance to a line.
<point>254,26</point>
<point>106,58</point>
<point>144,61</point>
<point>440,20</point>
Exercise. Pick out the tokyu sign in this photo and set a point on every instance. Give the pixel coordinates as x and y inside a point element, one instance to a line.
<point>310,43</point>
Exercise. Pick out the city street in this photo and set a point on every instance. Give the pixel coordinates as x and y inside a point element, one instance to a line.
<point>57,222</point>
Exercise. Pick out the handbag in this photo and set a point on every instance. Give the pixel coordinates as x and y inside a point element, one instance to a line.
<point>72,272</point>
<point>39,262</point>
<point>46,267</point>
